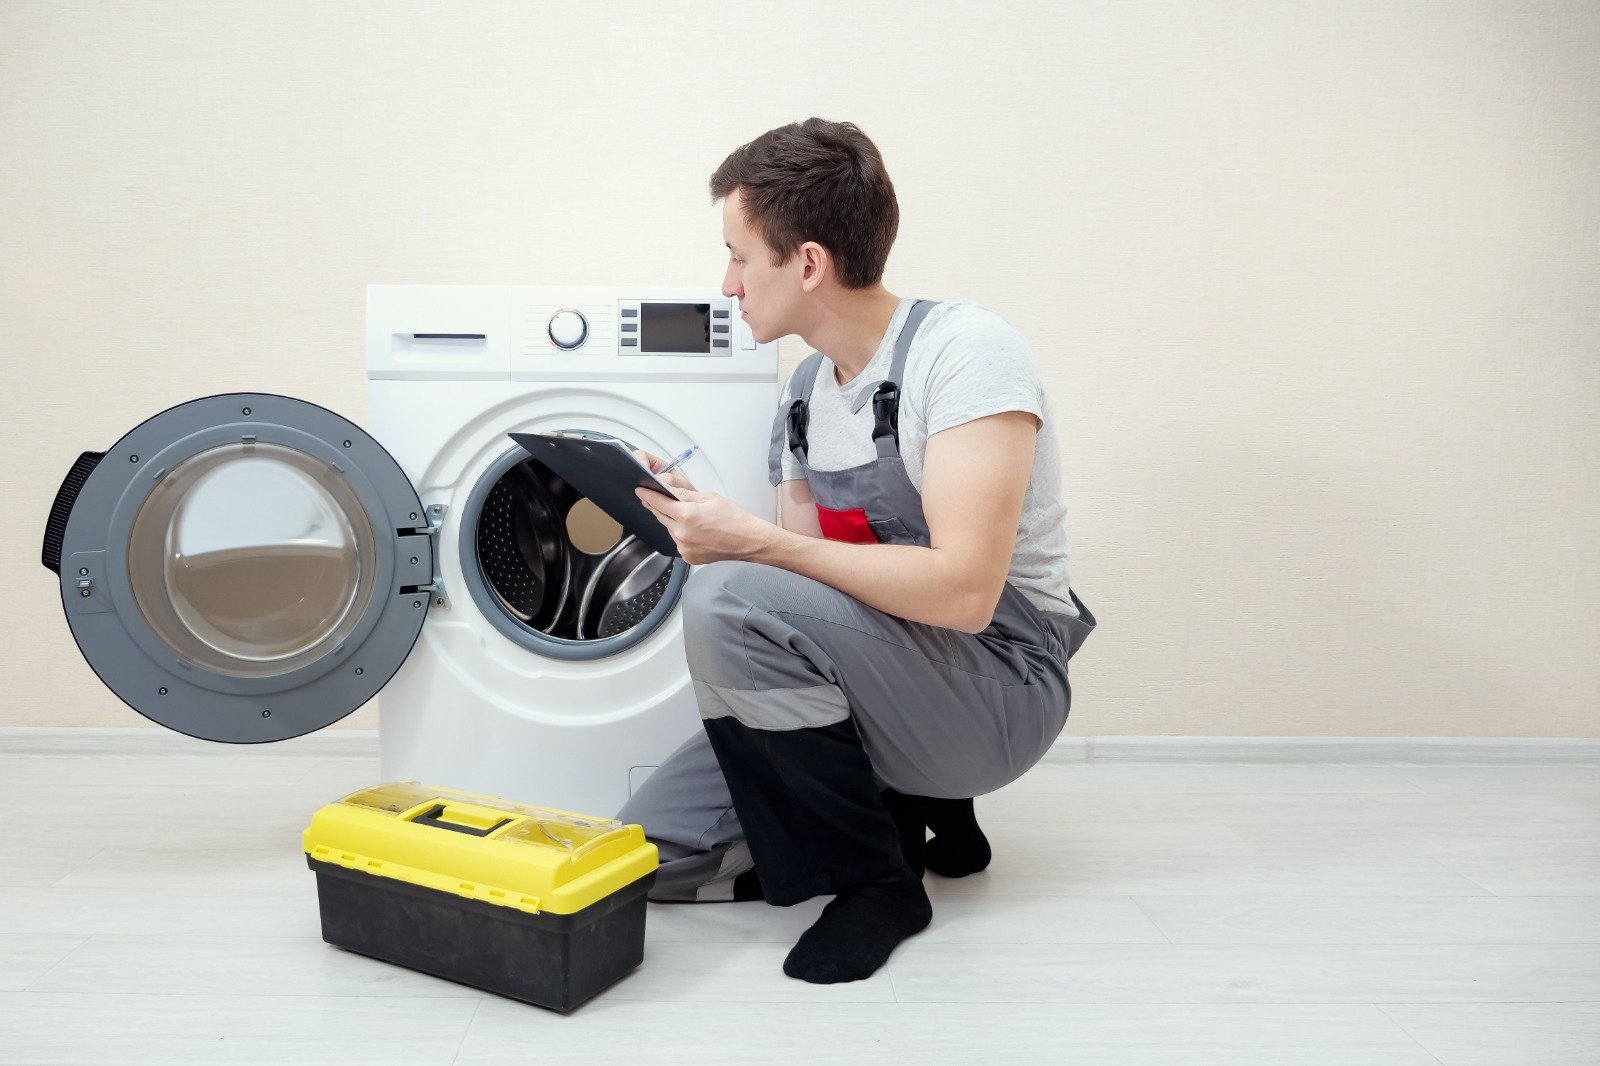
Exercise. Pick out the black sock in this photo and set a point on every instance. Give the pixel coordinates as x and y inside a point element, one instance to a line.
<point>958,847</point>
<point>908,821</point>
<point>747,886</point>
<point>858,930</point>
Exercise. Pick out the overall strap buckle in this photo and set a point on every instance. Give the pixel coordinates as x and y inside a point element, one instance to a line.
<point>886,412</point>
<point>799,419</point>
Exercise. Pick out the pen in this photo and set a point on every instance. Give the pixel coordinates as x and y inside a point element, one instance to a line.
<point>675,463</point>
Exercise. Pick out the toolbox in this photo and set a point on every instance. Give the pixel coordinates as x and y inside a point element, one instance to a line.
<point>541,905</point>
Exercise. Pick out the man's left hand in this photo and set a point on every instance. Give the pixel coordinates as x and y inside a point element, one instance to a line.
<point>708,527</point>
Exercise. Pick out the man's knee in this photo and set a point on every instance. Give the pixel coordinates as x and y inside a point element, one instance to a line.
<point>712,587</point>
<point>723,592</point>
<point>752,648</point>
<point>718,599</point>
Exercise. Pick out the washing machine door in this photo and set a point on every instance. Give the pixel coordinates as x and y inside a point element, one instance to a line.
<point>242,568</point>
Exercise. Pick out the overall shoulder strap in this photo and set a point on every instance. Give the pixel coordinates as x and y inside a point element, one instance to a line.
<point>805,376</point>
<point>789,426</point>
<point>902,345</point>
<point>885,394</point>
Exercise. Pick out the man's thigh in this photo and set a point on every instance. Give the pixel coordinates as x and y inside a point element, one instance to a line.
<point>940,712</point>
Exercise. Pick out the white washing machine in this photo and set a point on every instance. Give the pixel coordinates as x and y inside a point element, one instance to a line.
<point>251,567</point>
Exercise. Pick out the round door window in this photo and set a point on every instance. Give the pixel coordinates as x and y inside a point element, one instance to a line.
<point>554,572</point>
<point>252,559</point>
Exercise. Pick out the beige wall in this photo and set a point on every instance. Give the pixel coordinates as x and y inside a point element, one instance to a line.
<point>1314,286</point>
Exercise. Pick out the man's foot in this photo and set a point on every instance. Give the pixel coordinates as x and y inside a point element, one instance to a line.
<point>910,824</point>
<point>958,847</point>
<point>858,930</point>
<point>747,886</point>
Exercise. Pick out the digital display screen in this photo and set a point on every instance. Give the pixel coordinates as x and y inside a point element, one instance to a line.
<point>682,328</point>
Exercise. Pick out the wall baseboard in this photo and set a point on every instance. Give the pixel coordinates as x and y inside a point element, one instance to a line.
<point>1326,749</point>
<point>363,743</point>
<point>135,741</point>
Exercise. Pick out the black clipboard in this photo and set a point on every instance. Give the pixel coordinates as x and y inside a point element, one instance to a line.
<point>605,470</point>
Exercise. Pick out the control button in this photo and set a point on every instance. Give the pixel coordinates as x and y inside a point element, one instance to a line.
<point>630,342</point>
<point>630,327</point>
<point>630,312</point>
<point>567,329</point>
<point>719,329</point>
<point>719,344</point>
<point>719,314</point>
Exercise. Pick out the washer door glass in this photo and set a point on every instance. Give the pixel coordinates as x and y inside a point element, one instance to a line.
<point>252,559</point>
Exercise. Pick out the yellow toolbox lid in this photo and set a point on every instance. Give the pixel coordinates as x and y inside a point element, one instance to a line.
<point>534,859</point>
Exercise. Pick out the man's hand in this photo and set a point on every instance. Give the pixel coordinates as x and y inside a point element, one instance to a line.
<point>672,478</point>
<point>707,527</point>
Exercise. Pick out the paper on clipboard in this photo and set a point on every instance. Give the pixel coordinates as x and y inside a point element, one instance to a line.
<point>605,470</point>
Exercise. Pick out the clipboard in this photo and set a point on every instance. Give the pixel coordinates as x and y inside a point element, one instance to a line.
<point>605,470</point>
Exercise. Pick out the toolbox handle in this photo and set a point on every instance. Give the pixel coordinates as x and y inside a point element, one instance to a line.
<point>433,818</point>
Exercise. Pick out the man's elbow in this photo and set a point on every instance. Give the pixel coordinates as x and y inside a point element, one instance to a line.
<point>977,612</point>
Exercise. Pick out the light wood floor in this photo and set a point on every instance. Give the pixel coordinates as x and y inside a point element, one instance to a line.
<point>157,909</point>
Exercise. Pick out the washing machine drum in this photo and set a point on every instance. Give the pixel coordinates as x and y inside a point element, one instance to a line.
<point>539,577</point>
<point>524,549</point>
<point>622,589</point>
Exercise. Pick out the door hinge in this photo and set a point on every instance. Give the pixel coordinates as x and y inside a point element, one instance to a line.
<point>435,589</point>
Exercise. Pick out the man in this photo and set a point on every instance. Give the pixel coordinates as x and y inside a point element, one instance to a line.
<point>899,643</point>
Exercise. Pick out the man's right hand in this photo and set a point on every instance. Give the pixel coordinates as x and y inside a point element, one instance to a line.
<point>672,479</point>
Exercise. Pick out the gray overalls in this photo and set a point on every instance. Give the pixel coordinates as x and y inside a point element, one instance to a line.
<point>813,703</point>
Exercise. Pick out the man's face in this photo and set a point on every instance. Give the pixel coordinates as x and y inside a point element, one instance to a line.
<point>767,294</point>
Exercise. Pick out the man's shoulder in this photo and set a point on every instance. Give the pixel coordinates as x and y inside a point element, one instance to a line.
<point>959,334</point>
<point>974,363</point>
<point>963,316</point>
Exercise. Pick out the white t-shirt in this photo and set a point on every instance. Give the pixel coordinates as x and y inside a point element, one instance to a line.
<point>965,363</point>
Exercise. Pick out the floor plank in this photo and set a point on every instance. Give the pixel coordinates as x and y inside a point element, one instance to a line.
<point>1136,912</point>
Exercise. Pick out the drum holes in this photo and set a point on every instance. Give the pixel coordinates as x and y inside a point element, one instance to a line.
<point>266,714</point>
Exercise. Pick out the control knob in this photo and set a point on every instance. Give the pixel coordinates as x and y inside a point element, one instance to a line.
<point>568,329</point>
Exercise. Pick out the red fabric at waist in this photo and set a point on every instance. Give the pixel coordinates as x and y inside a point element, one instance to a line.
<point>849,526</point>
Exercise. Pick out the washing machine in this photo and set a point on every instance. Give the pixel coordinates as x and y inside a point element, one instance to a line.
<point>250,567</point>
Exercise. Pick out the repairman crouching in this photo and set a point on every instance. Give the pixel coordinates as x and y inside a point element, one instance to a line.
<point>899,644</point>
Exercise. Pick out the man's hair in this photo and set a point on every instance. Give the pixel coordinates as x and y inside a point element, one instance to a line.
<point>816,181</point>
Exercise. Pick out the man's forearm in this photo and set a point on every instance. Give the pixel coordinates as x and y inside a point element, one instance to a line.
<point>919,584</point>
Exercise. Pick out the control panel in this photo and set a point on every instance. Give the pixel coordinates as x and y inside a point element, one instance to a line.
<point>561,333</point>
<point>652,328</point>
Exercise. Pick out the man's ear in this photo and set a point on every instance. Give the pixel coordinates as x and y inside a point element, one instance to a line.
<point>815,265</point>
